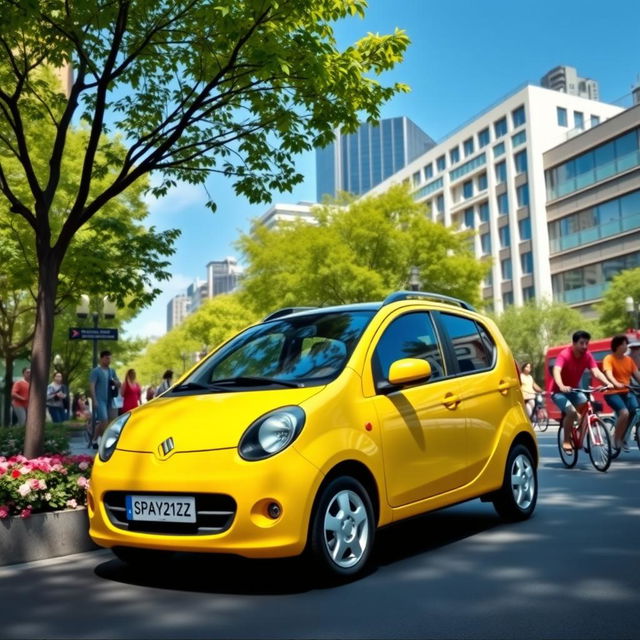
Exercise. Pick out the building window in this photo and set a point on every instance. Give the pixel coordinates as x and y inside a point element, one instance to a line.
<point>454,155</point>
<point>428,171</point>
<point>498,150</point>
<point>505,236</point>
<point>518,117</point>
<point>522,195</point>
<point>501,172</point>
<point>416,178</point>
<point>469,221</point>
<point>528,293</point>
<point>578,119</point>
<point>467,189</point>
<point>483,211</point>
<point>524,229</point>
<point>482,181</point>
<point>468,147</point>
<point>520,161</point>
<point>595,121</point>
<point>503,204</point>
<point>440,204</point>
<point>483,138</point>
<point>488,280</point>
<point>562,116</point>
<point>500,127</point>
<point>441,163</point>
<point>507,299</point>
<point>526,262</point>
<point>519,138</point>
<point>485,243</point>
<point>468,166</point>
<point>505,268</point>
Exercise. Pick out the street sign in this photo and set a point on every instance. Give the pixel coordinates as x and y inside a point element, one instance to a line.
<point>92,333</point>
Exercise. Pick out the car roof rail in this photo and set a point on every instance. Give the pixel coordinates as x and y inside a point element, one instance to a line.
<point>285,312</point>
<point>438,297</point>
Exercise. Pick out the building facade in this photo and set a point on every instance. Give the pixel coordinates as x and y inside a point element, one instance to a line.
<point>177,310</point>
<point>279,213</point>
<point>593,208</point>
<point>489,176</point>
<point>222,276</point>
<point>567,80</point>
<point>357,162</point>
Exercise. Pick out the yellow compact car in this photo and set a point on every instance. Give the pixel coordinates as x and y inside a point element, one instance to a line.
<point>311,429</point>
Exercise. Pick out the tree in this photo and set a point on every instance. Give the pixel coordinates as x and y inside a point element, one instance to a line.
<point>531,329</point>
<point>614,317</point>
<point>194,86</point>
<point>357,252</point>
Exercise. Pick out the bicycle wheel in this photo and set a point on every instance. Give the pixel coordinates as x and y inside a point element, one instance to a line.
<point>568,459</point>
<point>599,445</point>
<point>610,424</point>
<point>543,420</point>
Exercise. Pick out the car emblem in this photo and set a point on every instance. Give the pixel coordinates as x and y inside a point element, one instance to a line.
<point>166,447</point>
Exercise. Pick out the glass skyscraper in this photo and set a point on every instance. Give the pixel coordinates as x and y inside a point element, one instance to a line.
<point>357,162</point>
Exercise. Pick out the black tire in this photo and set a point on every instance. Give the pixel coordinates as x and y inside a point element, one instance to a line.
<point>344,550</point>
<point>516,499</point>
<point>600,454</point>
<point>610,425</point>
<point>568,459</point>
<point>142,558</point>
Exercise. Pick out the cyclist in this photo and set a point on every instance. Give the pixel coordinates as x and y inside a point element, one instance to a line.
<point>529,388</point>
<point>570,364</point>
<point>619,369</point>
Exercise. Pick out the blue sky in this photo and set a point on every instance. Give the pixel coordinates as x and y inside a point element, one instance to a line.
<point>464,56</point>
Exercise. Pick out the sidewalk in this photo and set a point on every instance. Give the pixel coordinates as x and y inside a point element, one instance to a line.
<point>78,445</point>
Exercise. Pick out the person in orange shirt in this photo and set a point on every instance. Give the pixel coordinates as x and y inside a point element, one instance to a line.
<point>620,369</point>
<point>20,396</point>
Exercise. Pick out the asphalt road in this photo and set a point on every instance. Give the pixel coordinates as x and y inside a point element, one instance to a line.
<point>572,571</point>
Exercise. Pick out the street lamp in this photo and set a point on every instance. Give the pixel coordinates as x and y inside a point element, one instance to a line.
<point>58,362</point>
<point>414,279</point>
<point>633,309</point>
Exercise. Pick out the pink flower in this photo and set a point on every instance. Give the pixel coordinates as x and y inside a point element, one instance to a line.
<point>83,482</point>
<point>4,511</point>
<point>72,504</point>
<point>34,483</point>
<point>15,474</point>
<point>83,466</point>
<point>26,512</point>
<point>24,489</point>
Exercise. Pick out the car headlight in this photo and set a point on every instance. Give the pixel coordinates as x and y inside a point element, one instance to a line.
<point>111,436</point>
<point>271,433</point>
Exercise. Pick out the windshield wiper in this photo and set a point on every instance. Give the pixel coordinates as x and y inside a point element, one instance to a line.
<point>185,386</point>
<point>243,380</point>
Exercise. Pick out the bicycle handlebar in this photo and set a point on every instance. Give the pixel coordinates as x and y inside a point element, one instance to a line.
<point>591,390</point>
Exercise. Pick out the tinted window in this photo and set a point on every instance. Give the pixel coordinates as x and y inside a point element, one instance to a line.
<point>409,336</point>
<point>469,346</point>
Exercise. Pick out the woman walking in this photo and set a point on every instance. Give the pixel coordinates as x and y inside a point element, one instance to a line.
<point>131,392</point>
<point>56,394</point>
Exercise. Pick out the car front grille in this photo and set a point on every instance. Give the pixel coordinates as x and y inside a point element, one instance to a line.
<point>214,514</point>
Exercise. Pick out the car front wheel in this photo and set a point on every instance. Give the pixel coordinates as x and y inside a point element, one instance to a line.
<point>342,528</point>
<point>516,499</point>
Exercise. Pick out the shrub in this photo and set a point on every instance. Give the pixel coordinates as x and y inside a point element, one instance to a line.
<point>56,440</point>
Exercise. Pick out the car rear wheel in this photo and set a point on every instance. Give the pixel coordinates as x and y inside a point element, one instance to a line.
<point>517,497</point>
<point>343,527</point>
<point>143,558</point>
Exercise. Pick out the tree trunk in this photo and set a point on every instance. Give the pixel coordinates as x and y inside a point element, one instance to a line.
<point>49,268</point>
<point>8,384</point>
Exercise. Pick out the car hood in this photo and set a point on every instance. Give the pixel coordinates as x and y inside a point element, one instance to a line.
<point>202,422</point>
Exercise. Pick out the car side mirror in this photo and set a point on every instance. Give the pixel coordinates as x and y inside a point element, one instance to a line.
<point>409,370</point>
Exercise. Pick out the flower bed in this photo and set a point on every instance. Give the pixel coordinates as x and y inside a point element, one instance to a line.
<point>40,485</point>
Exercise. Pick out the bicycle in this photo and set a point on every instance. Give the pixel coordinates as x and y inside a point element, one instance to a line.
<point>591,426</point>
<point>634,423</point>
<point>539,416</point>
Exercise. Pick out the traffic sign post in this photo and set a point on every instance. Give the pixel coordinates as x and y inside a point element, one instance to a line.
<point>92,333</point>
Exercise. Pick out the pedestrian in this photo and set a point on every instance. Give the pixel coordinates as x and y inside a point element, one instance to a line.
<point>20,396</point>
<point>151,392</point>
<point>103,386</point>
<point>56,395</point>
<point>529,388</point>
<point>166,382</point>
<point>131,392</point>
<point>80,408</point>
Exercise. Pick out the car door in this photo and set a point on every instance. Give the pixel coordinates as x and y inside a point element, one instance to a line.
<point>423,429</point>
<point>488,387</point>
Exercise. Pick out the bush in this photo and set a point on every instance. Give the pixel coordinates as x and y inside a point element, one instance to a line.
<point>56,440</point>
<point>48,483</point>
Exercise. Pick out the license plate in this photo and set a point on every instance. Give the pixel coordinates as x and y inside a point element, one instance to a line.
<point>161,508</point>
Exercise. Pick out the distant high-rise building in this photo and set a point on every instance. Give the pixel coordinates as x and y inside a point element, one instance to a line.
<point>177,310</point>
<point>357,162</point>
<point>222,276</point>
<point>567,80</point>
<point>197,292</point>
<point>279,213</point>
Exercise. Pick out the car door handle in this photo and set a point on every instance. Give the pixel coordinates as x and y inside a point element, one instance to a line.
<point>451,400</point>
<point>505,385</point>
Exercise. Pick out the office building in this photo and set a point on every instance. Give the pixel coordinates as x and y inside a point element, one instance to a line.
<point>279,213</point>
<point>177,310</point>
<point>357,162</point>
<point>222,276</point>
<point>489,176</point>
<point>567,80</point>
<point>593,208</point>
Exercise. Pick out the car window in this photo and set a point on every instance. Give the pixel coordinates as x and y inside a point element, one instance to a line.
<point>470,351</point>
<point>409,336</point>
<point>488,343</point>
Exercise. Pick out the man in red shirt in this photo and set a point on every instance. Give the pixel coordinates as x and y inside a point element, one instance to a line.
<point>20,396</point>
<point>570,364</point>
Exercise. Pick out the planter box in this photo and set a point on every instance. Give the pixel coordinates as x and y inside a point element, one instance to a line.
<point>44,535</point>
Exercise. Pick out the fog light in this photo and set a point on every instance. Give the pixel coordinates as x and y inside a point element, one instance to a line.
<point>274,510</point>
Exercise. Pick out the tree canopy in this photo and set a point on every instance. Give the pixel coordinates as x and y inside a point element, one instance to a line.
<point>614,317</point>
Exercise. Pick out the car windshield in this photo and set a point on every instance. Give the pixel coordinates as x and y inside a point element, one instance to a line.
<point>295,351</point>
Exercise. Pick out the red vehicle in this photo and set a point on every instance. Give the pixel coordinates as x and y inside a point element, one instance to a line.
<point>599,349</point>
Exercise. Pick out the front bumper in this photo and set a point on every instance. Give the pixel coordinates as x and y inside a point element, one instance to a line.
<point>287,478</point>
